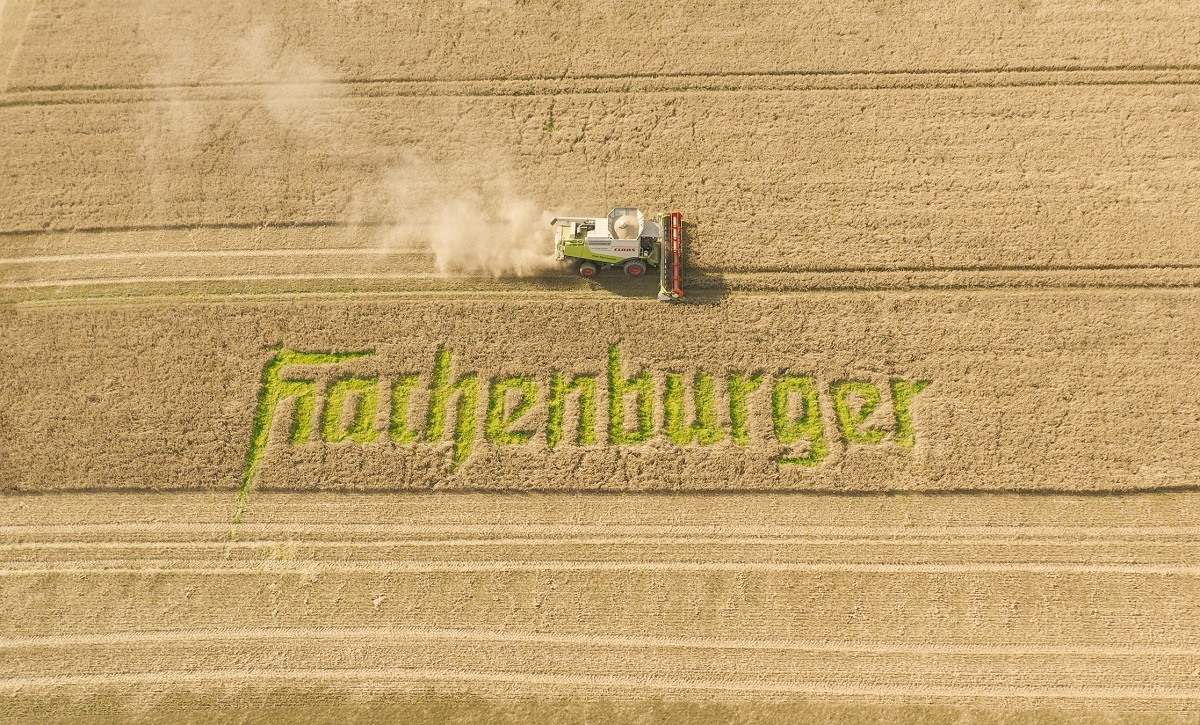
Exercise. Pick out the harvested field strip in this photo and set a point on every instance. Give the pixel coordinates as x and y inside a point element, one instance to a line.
<point>254,267</point>
<point>623,84</point>
<point>416,287</point>
<point>604,548</point>
<point>192,230</point>
<point>725,661</point>
<point>703,286</point>
<point>386,251</point>
<point>162,567</point>
<point>209,254</point>
<point>14,15</point>
<point>223,267</point>
<point>597,541</point>
<point>391,679</point>
<point>385,633</point>
<point>101,281</point>
<point>844,662</point>
<point>159,239</point>
<point>419,604</point>
<point>292,530</point>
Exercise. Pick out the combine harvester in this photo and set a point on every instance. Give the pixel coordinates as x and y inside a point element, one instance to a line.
<point>626,240</point>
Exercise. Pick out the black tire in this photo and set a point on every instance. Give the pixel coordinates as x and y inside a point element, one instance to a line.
<point>635,268</point>
<point>587,269</point>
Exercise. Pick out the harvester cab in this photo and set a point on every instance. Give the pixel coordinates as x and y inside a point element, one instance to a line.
<point>625,239</point>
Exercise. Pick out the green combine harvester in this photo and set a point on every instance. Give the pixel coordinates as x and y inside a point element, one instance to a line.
<point>625,239</point>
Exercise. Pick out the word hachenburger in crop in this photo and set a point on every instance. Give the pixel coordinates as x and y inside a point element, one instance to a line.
<point>352,404</point>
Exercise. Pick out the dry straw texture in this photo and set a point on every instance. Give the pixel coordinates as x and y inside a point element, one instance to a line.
<point>297,420</point>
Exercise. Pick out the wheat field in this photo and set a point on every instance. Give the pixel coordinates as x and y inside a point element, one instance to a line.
<point>299,423</point>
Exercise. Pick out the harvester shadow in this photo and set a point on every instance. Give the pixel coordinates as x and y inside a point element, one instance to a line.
<point>700,288</point>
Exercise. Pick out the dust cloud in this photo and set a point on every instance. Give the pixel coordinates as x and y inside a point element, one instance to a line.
<point>468,214</point>
<point>474,224</point>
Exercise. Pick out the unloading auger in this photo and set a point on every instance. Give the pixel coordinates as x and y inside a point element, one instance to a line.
<point>626,240</point>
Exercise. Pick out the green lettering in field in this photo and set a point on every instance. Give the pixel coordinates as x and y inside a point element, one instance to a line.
<point>805,428</point>
<point>273,390</point>
<point>399,428</point>
<point>902,396</point>
<point>705,430</point>
<point>362,394</point>
<point>500,418</point>
<point>466,413</point>
<point>850,416</point>
<point>642,387</point>
<point>741,386</point>
<point>560,391</point>
<point>688,416</point>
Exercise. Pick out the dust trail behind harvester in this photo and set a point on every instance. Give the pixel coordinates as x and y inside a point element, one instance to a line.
<point>474,224</point>
<point>464,208</point>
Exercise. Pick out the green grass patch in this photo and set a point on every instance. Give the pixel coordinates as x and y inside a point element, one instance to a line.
<point>272,391</point>
<point>500,419</point>
<point>560,390</point>
<point>850,416</point>
<point>741,386</point>
<point>704,430</point>
<point>466,417</point>
<point>902,396</point>
<point>807,427</point>
<point>641,386</point>
<point>399,428</point>
<point>363,394</point>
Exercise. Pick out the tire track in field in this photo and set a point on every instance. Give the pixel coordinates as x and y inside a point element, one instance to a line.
<point>592,541</point>
<point>394,633</point>
<point>214,254</point>
<point>1169,67</point>
<point>1135,276</point>
<point>387,251</point>
<point>311,567</point>
<point>14,18</point>
<point>186,279</point>
<point>324,528</point>
<point>783,81</point>
<point>215,226</point>
<point>387,677</point>
<point>781,655</point>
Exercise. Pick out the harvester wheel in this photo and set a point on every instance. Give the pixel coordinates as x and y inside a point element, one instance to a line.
<point>587,269</point>
<point>635,268</point>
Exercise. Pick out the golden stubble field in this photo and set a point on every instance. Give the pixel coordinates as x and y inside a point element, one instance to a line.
<point>298,423</point>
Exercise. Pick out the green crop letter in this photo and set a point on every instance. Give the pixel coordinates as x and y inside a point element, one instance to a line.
<point>705,429</point>
<point>402,389</point>
<point>499,419</point>
<point>740,388</point>
<point>850,419</point>
<point>807,427</point>
<point>364,399</point>
<point>273,390</point>
<point>642,386</point>
<point>560,390</point>
<point>902,395</point>
<point>466,418</point>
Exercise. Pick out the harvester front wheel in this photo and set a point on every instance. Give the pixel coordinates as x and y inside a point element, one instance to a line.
<point>587,269</point>
<point>635,268</point>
